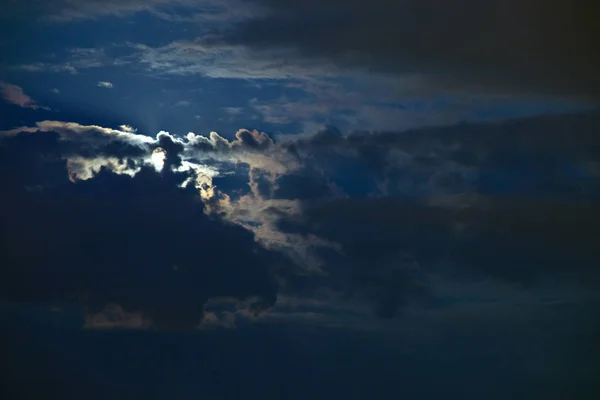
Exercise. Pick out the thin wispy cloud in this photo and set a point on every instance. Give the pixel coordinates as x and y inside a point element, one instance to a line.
<point>208,56</point>
<point>176,11</point>
<point>14,94</point>
<point>233,110</point>
<point>48,67</point>
<point>105,84</point>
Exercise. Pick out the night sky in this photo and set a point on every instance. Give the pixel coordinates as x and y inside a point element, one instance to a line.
<point>318,199</point>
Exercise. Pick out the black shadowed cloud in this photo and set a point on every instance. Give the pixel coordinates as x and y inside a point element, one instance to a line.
<point>140,242</point>
<point>528,46</point>
<point>514,202</point>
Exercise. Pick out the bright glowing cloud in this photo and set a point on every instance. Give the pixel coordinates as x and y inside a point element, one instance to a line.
<point>158,158</point>
<point>105,84</point>
<point>81,168</point>
<point>75,131</point>
<point>128,128</point>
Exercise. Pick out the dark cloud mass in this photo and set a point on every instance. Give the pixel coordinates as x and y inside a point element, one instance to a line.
<point>467,225</point>
<point>140,242</point>
<point>548,47</point>
<point>282,199</point>
<point>515,202</point>
<point>511,239</point>
<point>551,156</point>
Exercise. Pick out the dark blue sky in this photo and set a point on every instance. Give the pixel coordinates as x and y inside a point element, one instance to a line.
<point>320,199</point>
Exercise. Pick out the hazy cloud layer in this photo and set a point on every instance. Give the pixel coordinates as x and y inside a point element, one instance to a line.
<point>65,11</point>
<point>367,65</point>
<point>548,47</point>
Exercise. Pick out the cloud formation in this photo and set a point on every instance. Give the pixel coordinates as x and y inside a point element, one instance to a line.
<point>212,57</point>
<point>370,220</point>
<point>544,47</point>
<point>14,94</point>
<point>92,241</point>
<point>105,84</point>
<point>66,11</point>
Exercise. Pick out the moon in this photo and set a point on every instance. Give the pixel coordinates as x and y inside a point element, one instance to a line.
<point>158,157</point>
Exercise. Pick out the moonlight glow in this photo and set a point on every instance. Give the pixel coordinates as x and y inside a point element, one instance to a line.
<point>159,155</point>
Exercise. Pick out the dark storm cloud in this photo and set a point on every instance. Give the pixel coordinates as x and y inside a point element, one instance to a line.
<point>547,47</point>
<point>484,201</point>
<point>302,186</point>
<point>549,155</point>
<point>29,160</point>
<point>516,202</point>
<point>367,218</point>
<point>391,249</point>
<point>85,147</point>
<point>140,242</point>
<point>172,148</point>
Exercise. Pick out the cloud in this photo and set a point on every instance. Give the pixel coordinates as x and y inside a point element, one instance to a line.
<point>391,251</point>
<point>254,148</point>
<point>527,46</point>
<point>113,316</point>
<point>89,142</point>
<point>375,216</point>
<point>284,111</point>
<point>233,110</point>
<point>14,94</point>
<point>75,131</point>
<point>128,128</point>
<point>211,57</point>
<point>350,83</point>
<point>169,10</point>
<point>89,148</point>
<point>91,241</point>
<point>328,90</point>
<point>105,84</point>
<point>212,320</point>
<point>373,219</point>
<point>78,58</point>
<point>177,11</point>
<point>39,66</point>
<point>83,168</point>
